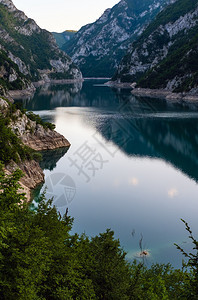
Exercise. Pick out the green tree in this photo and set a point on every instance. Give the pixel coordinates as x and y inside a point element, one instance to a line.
<point>108,268</point>
<point>192,263</point>
<point>40,258</point>
<point>24,252</point>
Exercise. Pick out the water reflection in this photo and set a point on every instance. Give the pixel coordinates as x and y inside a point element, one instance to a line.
<point>47,163</point>
<point>50,96</point>
<point>174,141</point>
<point>139,126</point>
<point>138,188</point>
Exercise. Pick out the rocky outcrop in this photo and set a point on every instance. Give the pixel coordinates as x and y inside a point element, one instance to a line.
<point>37,138</point>
<point>3,106</point>
<point>181,98</point>
<point>9,4</point>
<point>30,52</point>
<point>33,174</point>
<point>45,139</point>
<point>165,55</point>
<point>35,135</point>
<point>21,65</point>
<point>97,48</point>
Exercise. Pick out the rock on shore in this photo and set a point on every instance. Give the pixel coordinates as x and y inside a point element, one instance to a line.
<point>35,135</point>
<point>165,94</point>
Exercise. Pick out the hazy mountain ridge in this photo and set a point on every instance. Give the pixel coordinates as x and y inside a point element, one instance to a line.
<point>29,53</point>
<point>165,55</point>
<point>63,37</point>
<point>98,48</point>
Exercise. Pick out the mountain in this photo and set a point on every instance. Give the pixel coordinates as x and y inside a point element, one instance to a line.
<point>63,37</point>
<point>165,55</point>
<point>98,48</point>
<point>29,53</point>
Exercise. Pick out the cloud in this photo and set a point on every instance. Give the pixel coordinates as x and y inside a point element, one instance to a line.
<point>133,181</point>
<point>173,192</point>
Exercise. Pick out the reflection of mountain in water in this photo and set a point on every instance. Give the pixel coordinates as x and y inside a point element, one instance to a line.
<point>50,96</point>
<point>142,129</point>
<point>48,162</point>
<point>139,126</point>
<point>51,157</point>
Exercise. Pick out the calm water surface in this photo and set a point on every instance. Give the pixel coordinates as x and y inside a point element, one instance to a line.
<point>132,165</point>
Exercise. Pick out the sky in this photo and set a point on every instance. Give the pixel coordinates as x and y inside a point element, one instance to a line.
<point>60,15</point>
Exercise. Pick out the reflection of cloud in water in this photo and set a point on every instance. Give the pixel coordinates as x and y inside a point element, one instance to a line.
<point>133,181</point>
<point>116,182</point>
<point>173,192</point>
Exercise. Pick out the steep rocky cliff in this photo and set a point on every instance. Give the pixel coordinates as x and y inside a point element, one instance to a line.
<point>32,175</point>
<point>35,135</point>
<point>29,53</point>
<point>19,137</point>
<point>165,55</point>
<point>97,48</point>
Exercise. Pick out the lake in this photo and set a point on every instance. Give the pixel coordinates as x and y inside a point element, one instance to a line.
<point>132,166</point>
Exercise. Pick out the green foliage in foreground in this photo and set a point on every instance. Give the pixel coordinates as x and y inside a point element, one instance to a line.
<point>41,259</point>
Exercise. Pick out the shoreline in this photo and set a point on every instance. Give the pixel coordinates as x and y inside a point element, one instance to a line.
<point>165,94</point>
<point>96,78</point>
<point>30,91</point>
<point>57,81</point>
<point>20,93</point>
<point>155,93</point>
<point>121,85</point>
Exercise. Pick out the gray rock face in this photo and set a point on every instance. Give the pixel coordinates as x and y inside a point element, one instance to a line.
<point>3,106</point>
<point>9,4</point>
<point>32,134</point>
<point>21,65</point>
<point>156,54</point>
<point>33,174</point>
<point>59,65</point>
<point>97,48</point>
<point>13,75</point>
<point>35,136</point>
<point>163,46</point>
<point>29,28</point>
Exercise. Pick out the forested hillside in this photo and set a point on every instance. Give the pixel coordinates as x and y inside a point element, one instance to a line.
<point>29,53</point>
<point>165,55</point>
